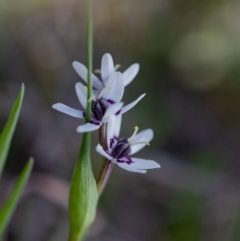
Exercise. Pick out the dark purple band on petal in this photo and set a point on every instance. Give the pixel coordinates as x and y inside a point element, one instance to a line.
<point>111,142</point>
<point>110,101</point>
<point>95,123</point>
<point>118,112</point>
<point>84,114</point>
<point>127,160</point>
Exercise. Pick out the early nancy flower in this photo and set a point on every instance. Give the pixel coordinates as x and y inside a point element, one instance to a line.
<point>119,150</point>
<point>107,69</point>
<point>104,104</point>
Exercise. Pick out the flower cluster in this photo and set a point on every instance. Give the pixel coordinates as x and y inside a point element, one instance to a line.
<point>106,114</point>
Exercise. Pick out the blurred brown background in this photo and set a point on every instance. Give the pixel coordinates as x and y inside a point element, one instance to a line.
<point>189,55</point>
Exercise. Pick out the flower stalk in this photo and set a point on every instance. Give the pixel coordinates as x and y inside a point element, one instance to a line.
<point>104,175</point>
<point>107,165</point>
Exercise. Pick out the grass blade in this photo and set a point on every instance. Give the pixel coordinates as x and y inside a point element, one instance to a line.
<point>7,133</point>
<point>9,207</point>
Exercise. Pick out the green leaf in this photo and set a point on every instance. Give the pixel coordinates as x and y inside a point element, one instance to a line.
<point>7,211</point>
<point>6,135</point>
<point>83,195</point>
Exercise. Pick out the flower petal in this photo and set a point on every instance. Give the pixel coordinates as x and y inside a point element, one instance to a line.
<point>116,88</point>
<point>111,130</point>
<point>107,67</point>
<point>129,106</point>
<point>130,168</point>
<point>130,73</point>
<point>118,125</point>
<point>89,127</point>
<point>111,110</point>
<point>143,136</point>
<point>81,94</point>
<point>68,110</point>
<point>102,152</point>
<point>83,73</point>
<point>143,164</point>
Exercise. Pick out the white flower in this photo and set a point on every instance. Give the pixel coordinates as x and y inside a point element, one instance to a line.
<point>119,150</point>
<point>105,104</point>
<point>107,69</point>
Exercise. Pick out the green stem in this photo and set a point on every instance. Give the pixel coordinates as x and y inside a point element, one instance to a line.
<point>83,191</point>
<point>89,56</point>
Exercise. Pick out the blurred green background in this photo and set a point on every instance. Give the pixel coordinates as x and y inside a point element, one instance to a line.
<point>189,56</point>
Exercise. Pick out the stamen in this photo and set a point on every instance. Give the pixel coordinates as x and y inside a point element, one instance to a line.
<point>91,98</point>
<point>97,71</point>
<point>141,142</point>
<point>131,139</point>
<point>117,66</point>
<point>103,90</point>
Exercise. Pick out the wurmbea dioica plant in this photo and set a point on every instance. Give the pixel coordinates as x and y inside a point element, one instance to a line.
<point>101,99</point>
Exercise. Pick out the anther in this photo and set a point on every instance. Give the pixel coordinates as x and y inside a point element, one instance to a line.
<point>97,71</point>
<point>103,90</point>
<point>91,98</point>
<point>117,66</point>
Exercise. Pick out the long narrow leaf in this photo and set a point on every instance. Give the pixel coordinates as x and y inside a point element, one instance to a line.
<point>7,211</point>
<point>83,196</point>
<point>6,135</point>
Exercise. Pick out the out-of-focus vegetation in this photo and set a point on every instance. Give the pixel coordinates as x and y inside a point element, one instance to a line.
<point>6,211</point>
<point>189,53</point>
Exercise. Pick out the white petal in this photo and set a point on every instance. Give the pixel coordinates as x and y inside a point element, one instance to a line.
<point>118,125</point>
<point>116,88</point>
<point>130,73</point>
<point>88,127</point>
<point>130,168</point>
<point>111,110</point>
<point>111,129</point>
<point>68,110</point>
<point>83,72</point>
<point>130,106</point>
<point>102,152</point>
<point>143,164</point>
<point>107,67</point>
<point>96,92</point>
<point>81,94</point>
<point>145,136</point>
